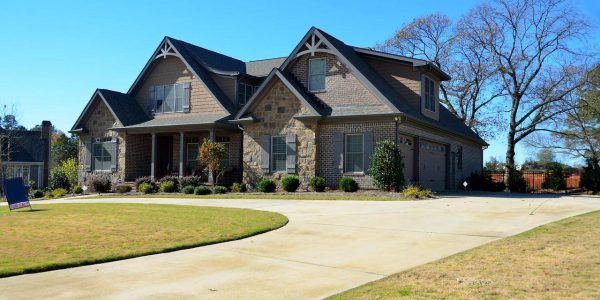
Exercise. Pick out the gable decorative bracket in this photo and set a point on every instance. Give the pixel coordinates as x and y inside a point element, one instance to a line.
<point>315,44</point>
<point>166,50</point>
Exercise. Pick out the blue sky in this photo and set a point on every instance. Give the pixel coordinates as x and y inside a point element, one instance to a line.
<point>56,53</point>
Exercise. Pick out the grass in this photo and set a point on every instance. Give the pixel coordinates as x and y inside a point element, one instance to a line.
<point>56,236</point>
<point>555,261</point>
<point>287,196</point>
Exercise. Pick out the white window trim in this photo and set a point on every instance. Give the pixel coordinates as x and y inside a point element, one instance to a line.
<point>175,100</point>
<point>187,152</point>
<point>424,91</point>
<point>310,89</point>
<point>346,154</point>
<point>272,164</point>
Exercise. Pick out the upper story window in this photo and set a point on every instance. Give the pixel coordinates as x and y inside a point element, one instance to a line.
<point>168,98</point>
<point>354,153</point>
<point>429,97</point>
<point>316,74</point>
<point>245,92</point>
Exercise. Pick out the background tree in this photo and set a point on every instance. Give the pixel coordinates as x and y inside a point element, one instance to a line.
<point>387,166</point>
<point>530,44</point>
<point>471,91</point>
<point>10,133</point>
<point>493,164</point>
<point>211,154</point>
<point>63,148</point>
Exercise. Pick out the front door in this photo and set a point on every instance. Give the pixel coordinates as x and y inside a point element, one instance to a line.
<point>164,156</point>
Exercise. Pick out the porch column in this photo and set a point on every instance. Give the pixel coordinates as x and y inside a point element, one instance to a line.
<point>181,152</point>
<point>211,136</point>
<point>153,157</point>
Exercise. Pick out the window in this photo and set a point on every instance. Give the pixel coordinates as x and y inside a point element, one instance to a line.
<point>226,141</point>
<point>169,98</point>
<point>101,155</point>
<point>316,74</point>
<point>278,153</point>
<point>18,171</point>
<point>429,93</point>
<point>245,92</point>
<point>354,153</point>
<point>192,155</point>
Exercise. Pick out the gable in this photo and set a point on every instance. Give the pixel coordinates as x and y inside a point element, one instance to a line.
<point>171,70</point>
<point>98,118</point>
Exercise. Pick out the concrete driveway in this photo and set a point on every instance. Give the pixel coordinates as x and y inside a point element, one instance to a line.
<point>328,247</point>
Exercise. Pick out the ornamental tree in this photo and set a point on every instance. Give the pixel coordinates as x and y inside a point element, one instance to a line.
<point>387,166</point>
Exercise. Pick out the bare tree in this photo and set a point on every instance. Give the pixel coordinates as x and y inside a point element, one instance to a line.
<point>530,44</point>
<point>10,134</point>
<point>470,93</point>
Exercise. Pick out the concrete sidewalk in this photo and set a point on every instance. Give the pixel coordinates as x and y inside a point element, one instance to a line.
<point>328,247</point>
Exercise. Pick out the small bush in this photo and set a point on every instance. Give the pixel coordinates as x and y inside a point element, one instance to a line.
<point>387,166</point>
<point>77,189</point>
<point>239,187</point>
<point>202,190</point>
<point>58,179</point>
<point>145,179</point>
<point>168,186</point>
<point>516,182</point>
<point>317,184</point>
<point>123,188</point>
<point>417,192</point>
<point>478,182</point>
<point>101,183</point>
<point>145,188</point>
<point>174,179</point>
<point>188,189</point>
<point>555,177</point>
<point>192,181</point>
<point>348,184</point>
<point>37,194</point>
<point>590,179</point>
<point>266,185</point>
<point>59,192</point>
<point>219,190</point>
<point>290,183</point>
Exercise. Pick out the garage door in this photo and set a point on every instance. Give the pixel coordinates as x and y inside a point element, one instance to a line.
<point>405,143</point>
<point>432,165</point>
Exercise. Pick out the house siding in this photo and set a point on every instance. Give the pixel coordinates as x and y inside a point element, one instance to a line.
<point>172,70</point>
<point>274,123</point>
<point>342,89</point>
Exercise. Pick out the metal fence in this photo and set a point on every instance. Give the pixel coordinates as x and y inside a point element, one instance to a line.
<point>535,180</point>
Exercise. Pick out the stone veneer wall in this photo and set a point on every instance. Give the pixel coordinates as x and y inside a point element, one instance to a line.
<point>276,123</point>
<point>98,122</point>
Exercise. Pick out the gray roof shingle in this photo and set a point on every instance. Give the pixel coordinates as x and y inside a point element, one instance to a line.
<point>126,109</point>
<point>262,68</point>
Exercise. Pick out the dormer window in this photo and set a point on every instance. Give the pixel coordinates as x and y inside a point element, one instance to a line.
<point>316,74</point>
<point>245,92</point>
<point>428,96</point>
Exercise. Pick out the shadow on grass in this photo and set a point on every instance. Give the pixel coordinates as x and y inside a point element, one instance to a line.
<point>25,210</point>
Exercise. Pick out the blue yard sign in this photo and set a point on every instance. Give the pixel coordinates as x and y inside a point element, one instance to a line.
<point>15,192</point>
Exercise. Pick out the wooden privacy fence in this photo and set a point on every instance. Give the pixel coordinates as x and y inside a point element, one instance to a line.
<point>535,179</point>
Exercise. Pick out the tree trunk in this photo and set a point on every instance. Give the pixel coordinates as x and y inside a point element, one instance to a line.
<point>510,156</point>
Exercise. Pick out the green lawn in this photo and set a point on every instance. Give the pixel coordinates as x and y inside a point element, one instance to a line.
<point>55,236</point>
<point>560,260</point>
<point>290,196</point>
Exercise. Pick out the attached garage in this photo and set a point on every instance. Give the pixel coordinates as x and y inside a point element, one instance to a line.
<point>432,165</point>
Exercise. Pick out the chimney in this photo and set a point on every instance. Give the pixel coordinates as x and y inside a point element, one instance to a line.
<point>47,138</point>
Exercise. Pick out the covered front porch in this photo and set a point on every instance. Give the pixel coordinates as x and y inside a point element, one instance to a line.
<point>165,152</point>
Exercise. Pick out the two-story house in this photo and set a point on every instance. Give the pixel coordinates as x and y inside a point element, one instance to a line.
<point>318,111</point>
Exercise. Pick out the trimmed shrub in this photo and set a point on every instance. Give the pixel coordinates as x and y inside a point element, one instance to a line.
<point>516,182</point>
<point>219,189</point>
<point>101,183</point>
<point>290,183</point>
<point>202,190</point>
<point>387,166</point>
<point>58,179</point>
<point>123,188</point>
<point>478,182</point>
<point>555,177</point>
<point>417,192</point>
<point>348,184</point>
<point>168,186</point>
<point>590,179</point>
<point>77,189</point>
<point>37,194</point>
<point>266,185</point>
<point>59,192</point>
<point>173,179</point>
<point>192,181</point>
<point>317,184</point>
<point>239,188</point>
<point>145,188</point>
<point>188,189</point>
<point>145,179</point>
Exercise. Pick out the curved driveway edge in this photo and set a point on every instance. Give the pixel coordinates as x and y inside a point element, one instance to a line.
<point>327,247</point>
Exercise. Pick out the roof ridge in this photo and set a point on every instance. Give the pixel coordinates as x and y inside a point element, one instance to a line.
<point>266,59</point>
